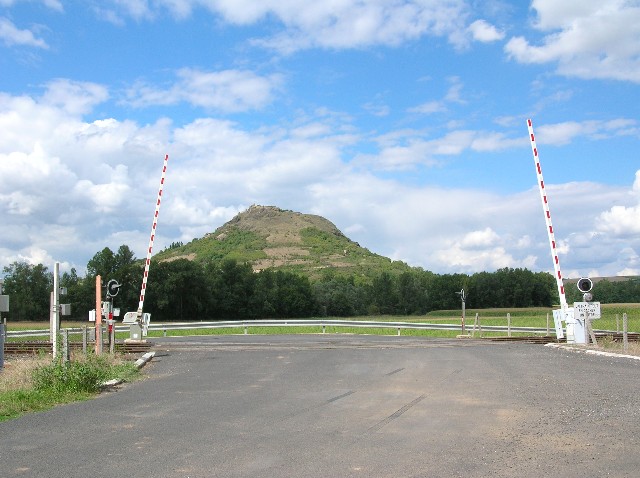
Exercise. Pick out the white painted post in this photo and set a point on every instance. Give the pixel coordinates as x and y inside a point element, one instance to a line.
<point>625,332</point>
<point>398,331</point>
<point>84,340</point>
<point>475,324</point>
<point>547,323</point>
<point>1,346</point>
<point>508,324</point>
<point>112,340</point>
<point>592,335</point>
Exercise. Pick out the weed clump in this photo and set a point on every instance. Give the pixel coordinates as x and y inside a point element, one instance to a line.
<point>83,376</point>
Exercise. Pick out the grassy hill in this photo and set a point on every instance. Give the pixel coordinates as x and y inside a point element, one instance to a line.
<point>269,237</point>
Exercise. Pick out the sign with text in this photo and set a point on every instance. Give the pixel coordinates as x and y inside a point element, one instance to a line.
<point>583,308</point>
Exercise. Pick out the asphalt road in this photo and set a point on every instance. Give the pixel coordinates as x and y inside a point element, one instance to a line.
<point>344,406</point>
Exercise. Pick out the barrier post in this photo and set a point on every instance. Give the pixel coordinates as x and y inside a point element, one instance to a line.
<point>509,324</point>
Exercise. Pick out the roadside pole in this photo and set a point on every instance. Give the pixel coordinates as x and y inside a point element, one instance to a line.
<point>55,309</point>
<point>1,345</point>
<point>98,315</point>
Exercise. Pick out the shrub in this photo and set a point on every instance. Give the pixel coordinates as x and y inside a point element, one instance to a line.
<point>79,376</point>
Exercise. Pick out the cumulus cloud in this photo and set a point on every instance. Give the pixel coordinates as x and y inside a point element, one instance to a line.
<point>11,35</point>
<point>74,97</point>
<point>484,32</point>
<point>586,39</point>
<point>334,25</point>
<point>623,220</point>
<point>227,90</point>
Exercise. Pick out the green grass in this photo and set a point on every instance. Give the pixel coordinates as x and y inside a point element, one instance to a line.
<point>39,384</point>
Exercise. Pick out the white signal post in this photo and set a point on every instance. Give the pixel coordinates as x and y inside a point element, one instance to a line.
<point>151,239</point>
<point>566,312</point>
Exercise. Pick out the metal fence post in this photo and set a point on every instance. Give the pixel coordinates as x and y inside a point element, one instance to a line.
<point>1,346</point>
<point>112,340</point>
<point>65,345</point>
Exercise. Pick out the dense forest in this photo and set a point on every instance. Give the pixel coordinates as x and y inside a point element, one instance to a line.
<point>226,289</point>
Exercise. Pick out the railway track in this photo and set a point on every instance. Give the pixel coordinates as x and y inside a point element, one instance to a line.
<point>545,339</point>
<point>533,339</point>
<point>36,347</point>
<point>42,347</point>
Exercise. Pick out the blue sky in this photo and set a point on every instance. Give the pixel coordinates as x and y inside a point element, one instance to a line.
<point>401,121</point>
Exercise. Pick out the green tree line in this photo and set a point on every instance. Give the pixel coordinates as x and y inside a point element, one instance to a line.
<point>226,289</point>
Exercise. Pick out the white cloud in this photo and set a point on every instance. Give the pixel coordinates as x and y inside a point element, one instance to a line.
<point>587,39</point>
<point>484,32</point>
<point>52,4</point>
<point>453,95</point>
<point>12,35</point>
<point>566,132</point>
<point>483,238</point>
<point>74,97</point>
<point>429,107</point>
<point>404,150</point>
<point>623,220</point>
<point>334,24</point>
<point>227,90</point>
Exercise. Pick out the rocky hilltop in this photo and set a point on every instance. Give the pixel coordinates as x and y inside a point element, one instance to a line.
<point>270,237</point>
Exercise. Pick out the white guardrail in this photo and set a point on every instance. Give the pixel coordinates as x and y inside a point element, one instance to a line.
<point>246,324</point>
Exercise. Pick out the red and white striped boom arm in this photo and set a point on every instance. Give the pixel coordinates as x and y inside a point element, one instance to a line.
<point>151,239</point>
<point>547,217</point>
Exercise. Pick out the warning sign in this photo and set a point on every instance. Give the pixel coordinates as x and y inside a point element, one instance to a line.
<point>581,309</point>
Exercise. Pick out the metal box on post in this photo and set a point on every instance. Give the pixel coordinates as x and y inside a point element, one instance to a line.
<point>135,332</point>
<point>4,303</point>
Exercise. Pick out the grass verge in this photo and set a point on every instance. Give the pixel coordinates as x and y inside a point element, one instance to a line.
<point>34,384</point>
